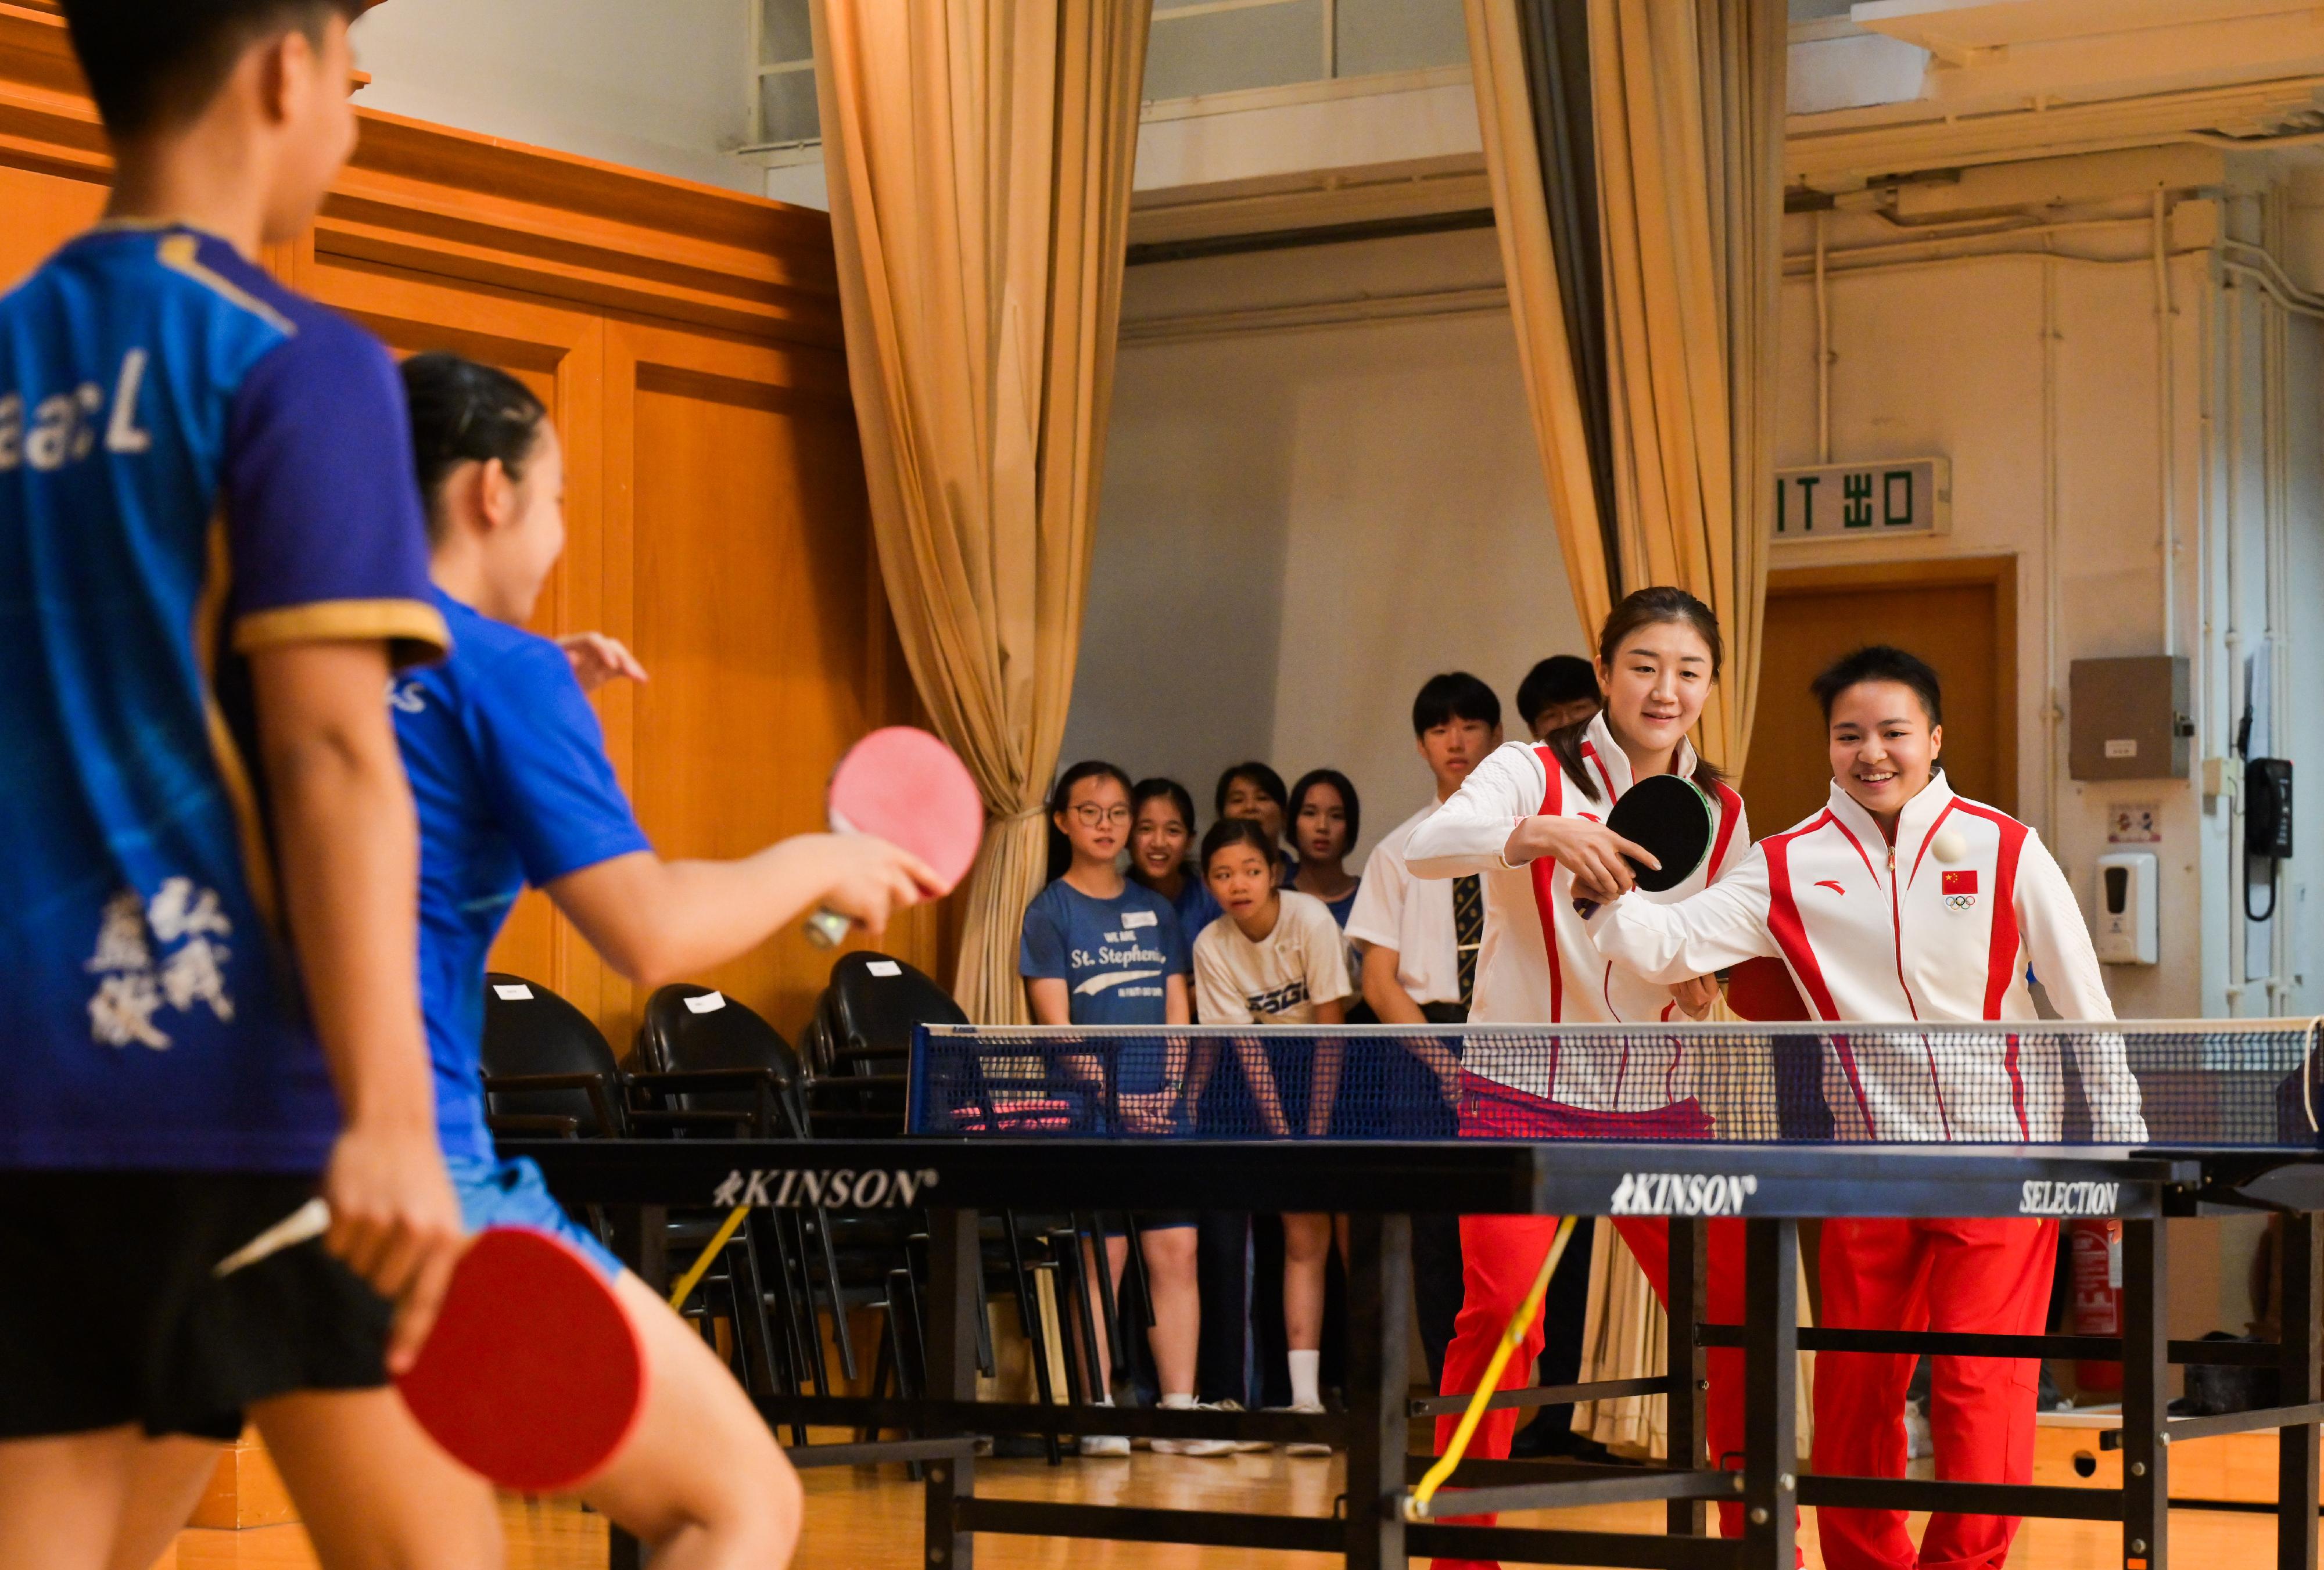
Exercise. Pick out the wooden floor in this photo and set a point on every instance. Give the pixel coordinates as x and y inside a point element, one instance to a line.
<point>864,1520</point>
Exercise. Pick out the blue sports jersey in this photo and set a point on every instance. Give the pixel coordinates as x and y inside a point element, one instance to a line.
<point>508,767</point>
<point>195,463</point>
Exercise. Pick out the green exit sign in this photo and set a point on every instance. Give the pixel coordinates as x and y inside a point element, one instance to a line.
<point>1877,500</point>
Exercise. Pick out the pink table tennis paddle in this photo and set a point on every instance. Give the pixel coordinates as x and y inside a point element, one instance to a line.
<point>903,785</point>
<point>533,1376</point>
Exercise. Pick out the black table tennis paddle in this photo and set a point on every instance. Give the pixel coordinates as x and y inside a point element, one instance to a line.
<point>1668,815</point>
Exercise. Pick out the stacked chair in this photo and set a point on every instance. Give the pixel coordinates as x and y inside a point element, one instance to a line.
<point>549,1073</point>
<point>708,1067</point>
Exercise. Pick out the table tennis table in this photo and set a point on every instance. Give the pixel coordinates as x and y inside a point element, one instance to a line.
<point>1021,1141</point>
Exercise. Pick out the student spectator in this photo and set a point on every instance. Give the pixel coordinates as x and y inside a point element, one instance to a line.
<point>1161,852</point>
<point>1419,939</point>
<point>1325,818</point>
<point>1275,956</point>
<point>1254,791</point>
<point>1100,951</point>
<point>1561,691</point>
<point>1161,846</point>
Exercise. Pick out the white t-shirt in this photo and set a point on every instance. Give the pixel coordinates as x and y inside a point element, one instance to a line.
<point>1279,980</point>
<point>1412,915</point>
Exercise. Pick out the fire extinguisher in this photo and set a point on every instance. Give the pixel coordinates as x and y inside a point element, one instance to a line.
<point>2097,1262</point>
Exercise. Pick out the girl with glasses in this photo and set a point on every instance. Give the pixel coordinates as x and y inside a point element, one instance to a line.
<point>1099,950</point>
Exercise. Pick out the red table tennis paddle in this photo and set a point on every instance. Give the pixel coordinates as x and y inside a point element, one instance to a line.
<point>903,785</point>
<point>1668,815</point>
<point>533,1376</point>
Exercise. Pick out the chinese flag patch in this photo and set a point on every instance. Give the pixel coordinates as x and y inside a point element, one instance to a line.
<point>1960,882</point>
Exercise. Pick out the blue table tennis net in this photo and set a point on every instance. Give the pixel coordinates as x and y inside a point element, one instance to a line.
<point>2201,1084</point>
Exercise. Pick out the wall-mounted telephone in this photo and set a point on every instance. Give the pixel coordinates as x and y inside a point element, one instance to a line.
<point>2267,823</point>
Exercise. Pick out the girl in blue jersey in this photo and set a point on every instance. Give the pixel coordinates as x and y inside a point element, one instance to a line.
<point>1100,949</point>
<point>509,770</point>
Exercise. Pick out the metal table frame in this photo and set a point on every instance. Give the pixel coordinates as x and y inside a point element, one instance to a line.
<point>1381,1185</point>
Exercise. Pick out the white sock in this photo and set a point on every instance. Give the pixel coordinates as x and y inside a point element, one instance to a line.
<point>1183,1401</point>
<point>1304,1366</point>
<point>1105,1400</point>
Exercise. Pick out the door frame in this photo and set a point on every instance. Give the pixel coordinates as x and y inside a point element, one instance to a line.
<point>1999,570</point>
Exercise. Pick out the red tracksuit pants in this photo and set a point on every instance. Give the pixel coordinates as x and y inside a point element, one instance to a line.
<point>1991,1276</point>
<point>1500,1254</point>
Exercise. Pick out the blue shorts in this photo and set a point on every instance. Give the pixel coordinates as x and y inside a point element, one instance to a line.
<point>513,1194</point>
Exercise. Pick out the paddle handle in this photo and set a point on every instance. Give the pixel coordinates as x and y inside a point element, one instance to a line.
<point>310,1220</point>
<point>827,929</point>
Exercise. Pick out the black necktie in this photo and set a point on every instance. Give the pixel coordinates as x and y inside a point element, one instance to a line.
<point>1468,931</point>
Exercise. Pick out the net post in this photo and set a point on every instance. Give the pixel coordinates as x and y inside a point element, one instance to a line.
<point>2298,1384</point>
<point>1380,1326</point>
<point>1688,1366</point>
<point>2145,1393</point>
<point>956,1294</point>
<point>1771,1364</point>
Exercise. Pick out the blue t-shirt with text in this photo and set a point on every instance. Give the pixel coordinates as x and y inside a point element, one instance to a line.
<point>509,771</point>
<point>197,465</point>
<point>1114,955</point>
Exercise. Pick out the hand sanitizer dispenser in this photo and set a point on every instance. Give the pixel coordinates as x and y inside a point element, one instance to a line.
<point>2126,931</point>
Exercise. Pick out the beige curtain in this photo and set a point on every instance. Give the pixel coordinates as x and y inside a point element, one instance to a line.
<point>979,157</point>
<point>1688,119</point>
<point>1624,1337</point>
<point>1513,166</point>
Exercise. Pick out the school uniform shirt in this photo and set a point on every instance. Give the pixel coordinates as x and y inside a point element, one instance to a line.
<point>1115,956</point>
<point>1538,965</point>
<point>1194,905</point>
<point>1872,931</point>
<point>1280,978</point>
<point>1412,915</point>
<point>1341,909</point>
<point>510,776</point>
<point>196,463</point>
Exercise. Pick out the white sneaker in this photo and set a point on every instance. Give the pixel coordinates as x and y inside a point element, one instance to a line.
<point>1305,1446</point>
<point>1239,1446</point>
<point>1198,1446</point>
<point>1116,1444</point>
<point>1919,1444</point>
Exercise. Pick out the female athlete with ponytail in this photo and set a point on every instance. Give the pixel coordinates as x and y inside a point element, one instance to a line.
<point>1527,820</point>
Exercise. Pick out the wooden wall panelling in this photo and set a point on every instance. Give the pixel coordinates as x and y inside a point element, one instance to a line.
<point>688,341</point>
<point>754,605</point>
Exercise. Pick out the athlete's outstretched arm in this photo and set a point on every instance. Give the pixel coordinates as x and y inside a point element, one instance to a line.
<point>349,847</point>
<point>2049,920</point>
<point>1466,832</point>
<point>1724,926</point>
<point>657,921</point>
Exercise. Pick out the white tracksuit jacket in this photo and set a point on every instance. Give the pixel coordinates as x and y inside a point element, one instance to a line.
<point>1876,932</point>
<point>1522,979</point>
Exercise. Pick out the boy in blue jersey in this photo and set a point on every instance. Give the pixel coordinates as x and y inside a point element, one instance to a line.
<point>211,557</point>
<point>509,770</point>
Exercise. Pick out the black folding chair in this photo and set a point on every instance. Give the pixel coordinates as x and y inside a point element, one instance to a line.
<point>713,1066</point>
<point>547,1071</point>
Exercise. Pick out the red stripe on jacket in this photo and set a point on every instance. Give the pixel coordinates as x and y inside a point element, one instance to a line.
<point>1545,898</point>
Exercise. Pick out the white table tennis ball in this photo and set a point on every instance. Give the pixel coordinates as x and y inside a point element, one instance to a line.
<point>1951,845</point>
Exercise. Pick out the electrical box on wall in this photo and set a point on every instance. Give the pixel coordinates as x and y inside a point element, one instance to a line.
<point>2128,929</point>
<point>2130,719</point>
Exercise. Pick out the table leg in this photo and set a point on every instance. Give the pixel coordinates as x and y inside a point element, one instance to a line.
<point>1379,1325</point>
<point>1771,1364</point>
<point>2298,1383</point>
<point>955,1288</point>
<point>640,1235</point>
<point>1687,1366</point>
<point>2145,1396</point>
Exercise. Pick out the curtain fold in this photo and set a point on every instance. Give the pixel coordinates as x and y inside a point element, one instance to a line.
<point>978,159</point>
<point>1501,45</point>
<point>1688,110</point>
